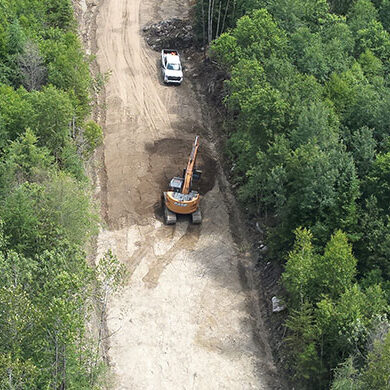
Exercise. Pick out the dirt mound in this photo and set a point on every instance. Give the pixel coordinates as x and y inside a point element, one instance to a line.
<point>172,33</point>
<point>176,152</point>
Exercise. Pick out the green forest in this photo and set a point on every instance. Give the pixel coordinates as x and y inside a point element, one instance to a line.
<point>307,104</point>
<point>47,289</point>
<point>307,100</point>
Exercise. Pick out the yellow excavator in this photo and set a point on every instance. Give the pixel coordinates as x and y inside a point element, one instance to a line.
<point>180,197</point>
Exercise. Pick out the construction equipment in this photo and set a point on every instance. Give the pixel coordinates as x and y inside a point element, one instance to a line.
<point>180,197</point>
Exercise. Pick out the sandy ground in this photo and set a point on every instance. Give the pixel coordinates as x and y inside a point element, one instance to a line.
<point>185,319</point>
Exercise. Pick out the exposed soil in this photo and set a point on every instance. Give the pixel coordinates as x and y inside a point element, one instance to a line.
<point>189,316</point>
<point>175,152</point>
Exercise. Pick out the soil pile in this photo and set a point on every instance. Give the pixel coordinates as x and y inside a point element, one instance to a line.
<point>172,33</point>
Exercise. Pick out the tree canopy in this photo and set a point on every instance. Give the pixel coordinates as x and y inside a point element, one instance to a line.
<point>47,214</point>
<point>307,102</point>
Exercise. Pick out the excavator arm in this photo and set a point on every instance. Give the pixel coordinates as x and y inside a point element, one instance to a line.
<point>190,167</point>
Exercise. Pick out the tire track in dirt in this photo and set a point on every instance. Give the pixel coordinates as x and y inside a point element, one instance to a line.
<point>187,242</point>
<point>184,321</point>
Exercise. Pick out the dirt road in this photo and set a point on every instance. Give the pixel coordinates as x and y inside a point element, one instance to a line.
<point>185,318</point>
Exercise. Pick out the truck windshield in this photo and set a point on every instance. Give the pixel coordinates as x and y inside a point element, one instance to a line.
<point>173,66</point>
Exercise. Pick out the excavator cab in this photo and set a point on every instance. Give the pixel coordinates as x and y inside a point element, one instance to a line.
<point>181,198</point>
<point>176,184</point>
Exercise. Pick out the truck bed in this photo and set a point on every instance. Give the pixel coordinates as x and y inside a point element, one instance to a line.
<point>169,51</point>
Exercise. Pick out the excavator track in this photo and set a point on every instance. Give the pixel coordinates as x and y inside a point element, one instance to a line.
<point>169,216</point>
<point>196,217</point>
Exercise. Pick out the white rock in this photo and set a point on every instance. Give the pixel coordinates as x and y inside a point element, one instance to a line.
<point>258,228</point>
<point>277,305</point>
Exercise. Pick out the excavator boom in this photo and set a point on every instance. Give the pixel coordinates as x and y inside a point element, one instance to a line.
<point>190,167</point>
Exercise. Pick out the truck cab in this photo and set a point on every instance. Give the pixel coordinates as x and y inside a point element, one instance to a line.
<point>171,68</point>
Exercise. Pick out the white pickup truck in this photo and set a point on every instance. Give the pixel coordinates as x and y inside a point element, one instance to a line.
<point>171,68</point>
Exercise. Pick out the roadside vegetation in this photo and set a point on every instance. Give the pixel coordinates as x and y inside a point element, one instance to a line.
<point>47,216</point>
<point>307,96</point>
